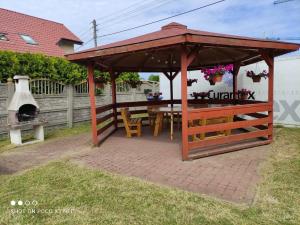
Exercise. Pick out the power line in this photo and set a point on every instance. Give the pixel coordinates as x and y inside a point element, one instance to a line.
<point>85,43</point>
<point>122,11</point>
<point>134,12</point>
<point>281,1</point>
<point>160,20</point>
<point>153,22</point>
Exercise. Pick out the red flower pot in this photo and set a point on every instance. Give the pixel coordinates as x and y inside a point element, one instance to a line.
<point>256,79</point>
<point>243,96</point>
<point>212,82</point>
<point>217,78</point>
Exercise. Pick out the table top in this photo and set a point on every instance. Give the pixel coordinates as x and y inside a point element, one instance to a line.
<point>177,109</point>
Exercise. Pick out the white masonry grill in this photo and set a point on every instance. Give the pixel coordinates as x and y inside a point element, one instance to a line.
<point>23,113</point>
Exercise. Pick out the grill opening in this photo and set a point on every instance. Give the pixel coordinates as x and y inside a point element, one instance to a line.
<point>27,112</point>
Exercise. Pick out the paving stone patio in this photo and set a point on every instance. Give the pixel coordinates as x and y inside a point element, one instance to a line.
<point>28,156</point>
<point>232,176</point>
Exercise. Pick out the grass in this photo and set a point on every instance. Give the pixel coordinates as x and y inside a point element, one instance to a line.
<point>98,197</point>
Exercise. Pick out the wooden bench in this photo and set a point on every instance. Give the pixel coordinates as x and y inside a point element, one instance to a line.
<point>132,125</point>
<point>204,122</point>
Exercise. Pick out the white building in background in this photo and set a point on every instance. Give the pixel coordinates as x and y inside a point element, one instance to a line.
<point>286,87</point>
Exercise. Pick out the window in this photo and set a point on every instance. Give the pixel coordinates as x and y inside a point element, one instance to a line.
<point>3,37</point>
<point>28,39</point>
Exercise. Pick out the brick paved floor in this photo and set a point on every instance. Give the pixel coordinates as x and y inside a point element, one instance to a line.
<point>232,176</point>
<point>28,156</point>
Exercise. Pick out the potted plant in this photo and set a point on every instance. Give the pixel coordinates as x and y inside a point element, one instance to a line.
<point>257,77</point>
<point>243,94</point>
<point>156,96</point>
<point>191,81</point>
<point>100,81</point>
<point>202,95</point>
<point>215,74</point>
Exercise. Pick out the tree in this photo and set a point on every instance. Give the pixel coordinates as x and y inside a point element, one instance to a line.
<point>153,77</point>
<point>131,78</point>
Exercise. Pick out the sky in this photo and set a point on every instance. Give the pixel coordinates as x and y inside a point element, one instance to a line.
<point>253,18</point>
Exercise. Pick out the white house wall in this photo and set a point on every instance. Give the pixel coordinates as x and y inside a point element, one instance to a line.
<point>286,87</point>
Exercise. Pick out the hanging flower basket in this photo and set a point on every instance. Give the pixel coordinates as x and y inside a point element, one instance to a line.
<point>215,74</point>
<point>191,81</point>
<point>100,81</point>
<point>202,95</point>
<point>217,78</point>
<point>243,94</point>
<point>211,82</point>
<point>256,78</point>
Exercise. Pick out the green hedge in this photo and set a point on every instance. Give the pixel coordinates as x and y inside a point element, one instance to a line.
<point>54,68</point>
<point>39,66</point>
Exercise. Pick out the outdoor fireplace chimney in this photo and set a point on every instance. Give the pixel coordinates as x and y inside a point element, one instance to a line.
<point>23,112</point>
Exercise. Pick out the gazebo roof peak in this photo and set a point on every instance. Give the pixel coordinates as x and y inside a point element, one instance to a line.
<point>174,25</point>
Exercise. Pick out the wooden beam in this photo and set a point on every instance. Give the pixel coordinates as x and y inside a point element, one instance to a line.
<point>175,74</point>
<point>184,103</point>
<point>114,62</point>
<point>271,93</point>
<point>90,70</point>
<point>114,97</point>
<point>223,41</point>
<point>192,55</point>
<point>145,60</point>
<point>228,139</point>
<point>236,68</point>
<point>265,55</point>
<point>102,65</point>
<point>167,75</point>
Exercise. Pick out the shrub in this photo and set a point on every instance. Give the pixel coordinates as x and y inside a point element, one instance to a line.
<point>42,66</point>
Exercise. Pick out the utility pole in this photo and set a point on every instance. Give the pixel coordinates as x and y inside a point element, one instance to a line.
<point>95,32</point>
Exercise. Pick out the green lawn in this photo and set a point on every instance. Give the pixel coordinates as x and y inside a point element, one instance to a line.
<point>97,197</point>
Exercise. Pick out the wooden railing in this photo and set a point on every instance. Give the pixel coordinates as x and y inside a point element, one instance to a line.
<point>105,120</point>
<point>258,127</point>
<point>250,124</point>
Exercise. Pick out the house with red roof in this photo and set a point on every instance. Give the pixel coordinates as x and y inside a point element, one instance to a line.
<point>25,33</point>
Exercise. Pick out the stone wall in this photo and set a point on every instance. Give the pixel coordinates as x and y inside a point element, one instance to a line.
<point>69,107</point>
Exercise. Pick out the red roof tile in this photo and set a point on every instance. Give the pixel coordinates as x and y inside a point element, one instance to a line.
<point>46,33</point>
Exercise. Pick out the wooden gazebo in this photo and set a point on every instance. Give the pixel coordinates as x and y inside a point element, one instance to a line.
<point>174,49</point>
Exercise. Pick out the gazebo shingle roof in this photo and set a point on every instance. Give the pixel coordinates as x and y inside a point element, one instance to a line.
<point>164,45</point>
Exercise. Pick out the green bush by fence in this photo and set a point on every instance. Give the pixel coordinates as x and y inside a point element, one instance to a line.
<point>54,68</point>
<point>39,66</point>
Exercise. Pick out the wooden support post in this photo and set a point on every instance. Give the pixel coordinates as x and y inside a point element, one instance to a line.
<point>171,91</point>
<point>269,59</point>
<point>92,102</point>
<point>184,104</point>
<point>270,94</point>
<point>236,68</point>
<point>114,97</point>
